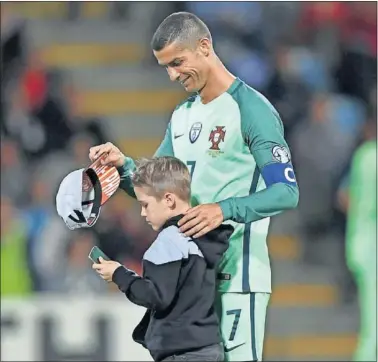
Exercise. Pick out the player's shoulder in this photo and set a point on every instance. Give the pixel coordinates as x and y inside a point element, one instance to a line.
<point>253,105</point>
<point>186,103</point>
<point>368,147</point>
<point>249,99</point>
<point>366,153</point>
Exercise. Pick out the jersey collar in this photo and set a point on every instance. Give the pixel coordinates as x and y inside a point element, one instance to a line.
<point>235,84</point>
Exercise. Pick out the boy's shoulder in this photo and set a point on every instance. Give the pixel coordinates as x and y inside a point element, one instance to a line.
<point>170,245</point>
<point>170,231</point>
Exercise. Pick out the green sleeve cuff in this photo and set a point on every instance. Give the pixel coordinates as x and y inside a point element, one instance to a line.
<point>125,172</point>
<point>226,206</point>
<point>127,168</point>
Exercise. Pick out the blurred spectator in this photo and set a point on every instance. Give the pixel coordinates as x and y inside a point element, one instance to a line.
<point>13,46</point>
<point>361,242</point>
<point>22,126</point>
<point>34,82</point>
<point>369,134</point>
<point>237,20</point>
<point>357,70</point>
<point>15,275</point>
<point>284,15</point>
<point>287,91</point>
<point>320,25</point>
<point>46,233</point>
<point>74,275</point>
<point>237,30</point>
<point>45,109</point>
<point>359,30</point>
<point>79,147</point>
<point>113,233</point>
<point>320,154</point>
<point>93,126</point>
<point>122,233</point>
<point>34,117</point>
<point>56,165</point>
<point>13,180</point>
<point>13,51</point>
<point>55,127</point>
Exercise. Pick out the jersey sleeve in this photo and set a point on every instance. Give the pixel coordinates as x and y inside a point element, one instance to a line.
<point>262,131</point>
<point>125,173</point>
<point>126,170</point>
<point>166,147</point>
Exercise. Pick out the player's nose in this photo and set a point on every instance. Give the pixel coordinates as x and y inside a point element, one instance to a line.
<point>174,75</point>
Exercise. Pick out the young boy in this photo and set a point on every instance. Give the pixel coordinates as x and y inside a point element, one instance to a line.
<point>179,275</point>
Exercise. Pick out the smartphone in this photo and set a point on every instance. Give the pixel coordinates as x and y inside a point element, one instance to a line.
<point>95,254</point>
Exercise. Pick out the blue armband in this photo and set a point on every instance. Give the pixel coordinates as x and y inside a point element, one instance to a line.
<point>278,172</point>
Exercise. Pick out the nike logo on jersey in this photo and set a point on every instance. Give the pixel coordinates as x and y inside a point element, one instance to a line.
<point>178,135</point>
<point>233,347</point>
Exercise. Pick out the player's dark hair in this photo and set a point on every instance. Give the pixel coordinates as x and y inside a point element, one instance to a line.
<point>182,27</point>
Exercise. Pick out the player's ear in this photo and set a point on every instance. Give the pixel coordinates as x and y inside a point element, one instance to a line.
<point>205,46</point>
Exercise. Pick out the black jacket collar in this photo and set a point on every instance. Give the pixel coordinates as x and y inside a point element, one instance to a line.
<point>172,221</point>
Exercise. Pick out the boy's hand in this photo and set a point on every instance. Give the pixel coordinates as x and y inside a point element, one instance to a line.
<point>200,220</point>
<point>114,158</point>
<point>106,268</point>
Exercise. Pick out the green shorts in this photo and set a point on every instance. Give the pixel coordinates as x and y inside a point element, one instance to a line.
<point>242,323</point>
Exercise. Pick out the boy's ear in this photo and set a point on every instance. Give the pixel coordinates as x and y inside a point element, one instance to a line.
<point>169,199</point>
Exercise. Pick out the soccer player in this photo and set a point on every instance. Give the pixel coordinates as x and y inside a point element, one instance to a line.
<point>361,242</point>
<point>179,276</point>
<point>232,140</point>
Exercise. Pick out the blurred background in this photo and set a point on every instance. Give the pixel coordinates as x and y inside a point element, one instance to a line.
<point>77,74</point>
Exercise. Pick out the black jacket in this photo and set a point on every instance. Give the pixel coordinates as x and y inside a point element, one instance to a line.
<point>178,289</point>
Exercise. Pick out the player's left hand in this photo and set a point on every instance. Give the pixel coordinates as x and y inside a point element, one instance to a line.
<point>106,268</point>
<point>201,219</point>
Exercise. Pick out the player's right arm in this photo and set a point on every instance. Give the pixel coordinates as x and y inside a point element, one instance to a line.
<point>126,165</point>
<point>263,132</point>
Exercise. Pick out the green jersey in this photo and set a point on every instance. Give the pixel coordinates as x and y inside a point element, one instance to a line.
<point>361,244</point>
<point>237,156</point>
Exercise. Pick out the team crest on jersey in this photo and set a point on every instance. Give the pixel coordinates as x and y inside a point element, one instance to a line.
<point>217,135</point>
<point>195,131</point>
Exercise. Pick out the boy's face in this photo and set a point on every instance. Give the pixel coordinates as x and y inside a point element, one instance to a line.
<point>156,211</point>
